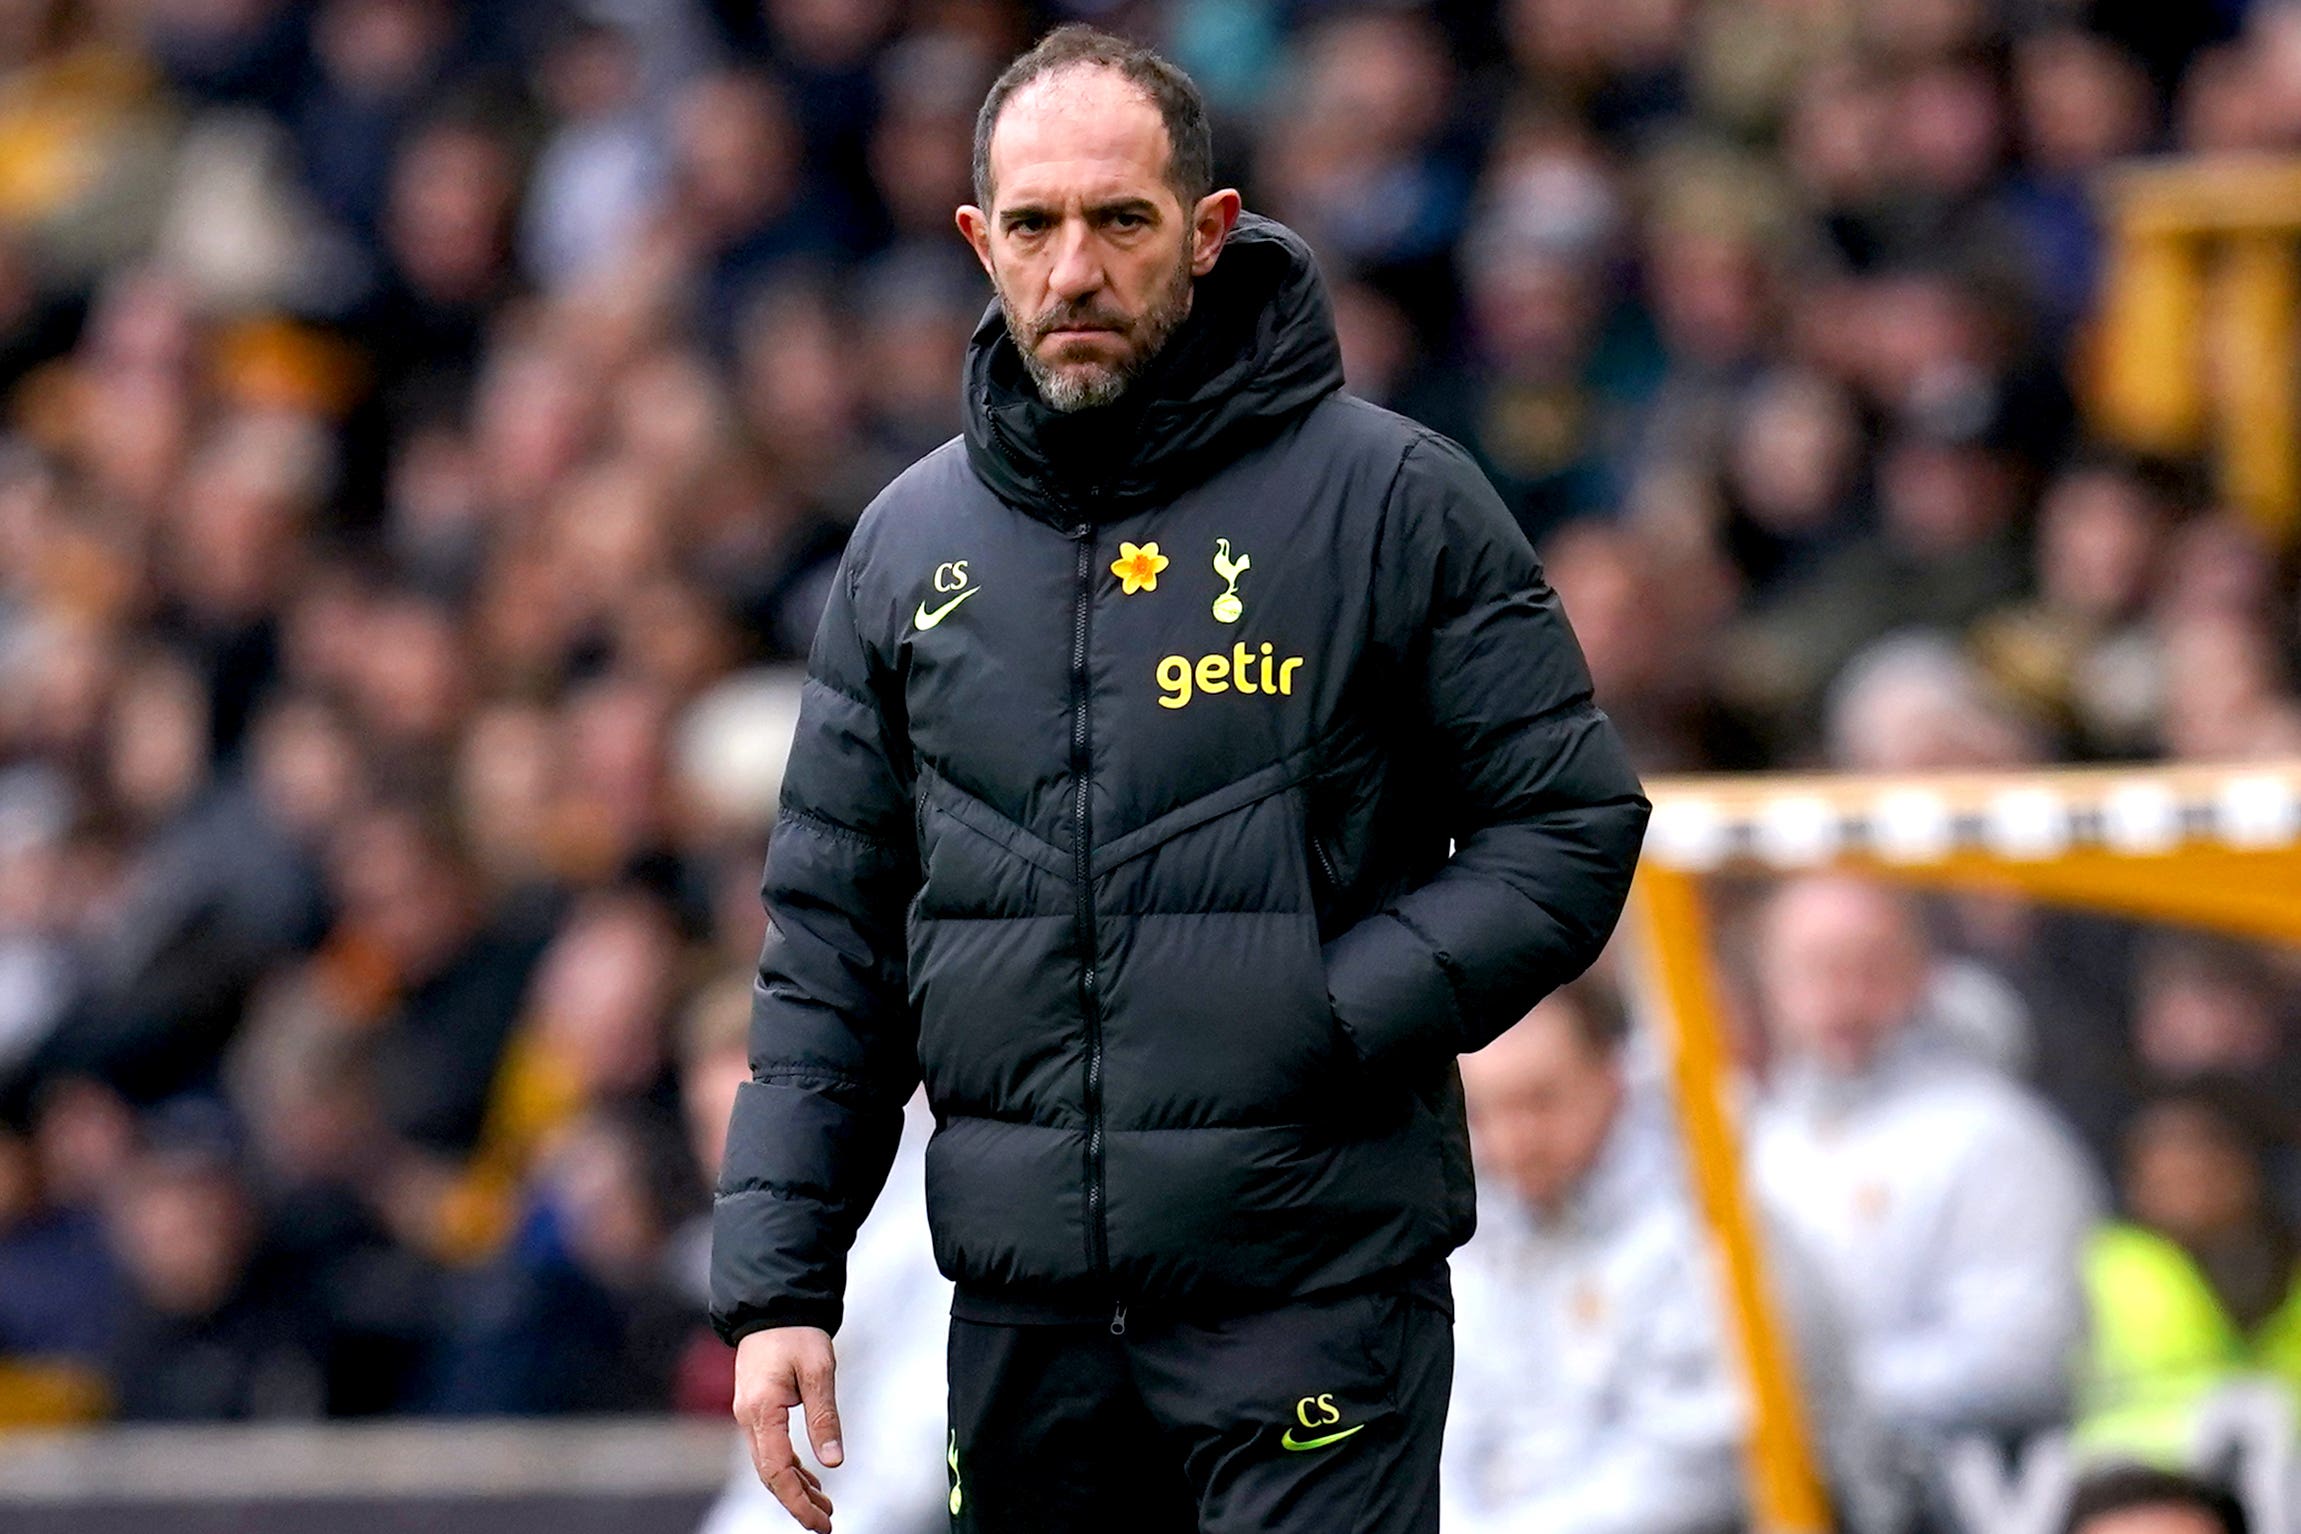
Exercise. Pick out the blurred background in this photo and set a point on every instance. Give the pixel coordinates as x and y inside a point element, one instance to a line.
<point>427,429</point>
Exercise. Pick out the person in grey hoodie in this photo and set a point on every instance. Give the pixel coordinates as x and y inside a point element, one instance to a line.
<point>1946,1205</point>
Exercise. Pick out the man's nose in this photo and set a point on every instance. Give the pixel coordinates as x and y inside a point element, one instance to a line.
<point>1078,268</point>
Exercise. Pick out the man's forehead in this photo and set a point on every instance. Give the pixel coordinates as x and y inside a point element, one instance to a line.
<point>1544,1046</point>
<point>1085,134</point>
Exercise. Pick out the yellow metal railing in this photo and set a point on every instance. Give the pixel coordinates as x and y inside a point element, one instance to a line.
<point>2199,338</point>
<point>2214,847</point>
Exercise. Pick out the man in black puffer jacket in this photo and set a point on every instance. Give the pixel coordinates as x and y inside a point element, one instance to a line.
<point>1193,762</point>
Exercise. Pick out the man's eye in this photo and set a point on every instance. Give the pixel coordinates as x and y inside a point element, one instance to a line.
<point>1129,220</point>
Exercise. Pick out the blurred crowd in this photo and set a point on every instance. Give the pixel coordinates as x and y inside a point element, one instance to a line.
<point>426,431</point>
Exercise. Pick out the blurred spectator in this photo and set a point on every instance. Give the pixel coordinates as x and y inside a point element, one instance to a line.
<point>447,228</point>
<point>1709,287</point>
<point>1645,653</point>
<point>2200,1285</point>
<point>744,199</point>
<point>373,62</point>
<point>1790,467</point>
<point>2079,653</point>
<point>1942,556</point>
<point>211,1330</point>
<point>1597,1388</point>
<point>225,884</point>
<point>892,1399</point>
<point>1553,366</point>
<point>1358,164</point>
<point>920,153</point>
<point>249,52</point>
<point>425,971</point>
<point>583,1313</point>
<point>2205,1007</point>
<point>86,1138</point>
<point>2083,102</point>
<point>1944,1206</point>
<point>318,1156</point>
<point>714,1061</point>
<point>826,49</point>
<point>59,1294</point>
<point>590,1036</point>
<point>598,176</point>
<point>1913,702</point>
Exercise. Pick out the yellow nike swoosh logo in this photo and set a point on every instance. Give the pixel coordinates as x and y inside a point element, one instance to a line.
<point>1288,1440</point>
<point>923,620</point>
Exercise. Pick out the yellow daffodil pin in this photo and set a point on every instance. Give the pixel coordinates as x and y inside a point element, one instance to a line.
<point>1137,567</point>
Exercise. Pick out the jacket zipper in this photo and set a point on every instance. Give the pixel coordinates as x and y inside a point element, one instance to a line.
<point>1098,1239</point>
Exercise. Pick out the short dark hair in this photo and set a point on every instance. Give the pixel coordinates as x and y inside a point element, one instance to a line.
<point>1594,1014</point>
<point>2122,1488</point>
<point>1190,138</point>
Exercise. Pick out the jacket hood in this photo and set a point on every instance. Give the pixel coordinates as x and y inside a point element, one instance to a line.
<point>1258,349</point>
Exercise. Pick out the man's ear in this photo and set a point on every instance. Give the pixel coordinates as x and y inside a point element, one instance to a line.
<point>975,228</point>
<point>1211,223</point>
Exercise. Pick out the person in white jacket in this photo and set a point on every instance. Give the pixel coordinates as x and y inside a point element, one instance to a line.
<point>890,1350</point>
<point>890,1364</point>
<point>1596,1390</point>
<point>1945,1204</point>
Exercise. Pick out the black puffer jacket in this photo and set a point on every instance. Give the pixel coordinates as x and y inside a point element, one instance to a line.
<point>1152,878</point>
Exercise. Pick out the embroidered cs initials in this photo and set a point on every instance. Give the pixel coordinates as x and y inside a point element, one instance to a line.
<point>951,575</point>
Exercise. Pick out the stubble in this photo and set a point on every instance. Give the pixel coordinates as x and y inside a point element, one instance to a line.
<point>1068,387</point>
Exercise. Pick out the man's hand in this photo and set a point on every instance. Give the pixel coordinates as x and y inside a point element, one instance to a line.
<point>775,1370</point>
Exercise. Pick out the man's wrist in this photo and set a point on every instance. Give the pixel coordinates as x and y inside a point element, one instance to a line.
<point>1391,996</point>
<point>734,1326</point>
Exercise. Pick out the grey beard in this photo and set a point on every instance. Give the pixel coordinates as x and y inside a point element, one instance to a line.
<point>1081,386</point>
<point>1091,387</point>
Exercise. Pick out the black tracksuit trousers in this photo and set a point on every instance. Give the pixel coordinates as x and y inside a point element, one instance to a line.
<point>1321,1417</point>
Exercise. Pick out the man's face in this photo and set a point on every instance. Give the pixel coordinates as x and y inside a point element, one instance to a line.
<point>1542,1102</point>
<point>1091,251</point>
<point>1842,967</point>
<point>2190,1176</point>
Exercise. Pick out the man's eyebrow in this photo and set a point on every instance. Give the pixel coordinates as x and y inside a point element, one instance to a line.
<point>1100,210</point>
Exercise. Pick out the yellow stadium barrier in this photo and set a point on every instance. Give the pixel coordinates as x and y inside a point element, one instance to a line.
<point>2200,322</point>
<point>2212,847</point>
<point>43,1392</point>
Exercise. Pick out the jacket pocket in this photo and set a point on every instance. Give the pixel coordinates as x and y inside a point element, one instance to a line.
<point>993,962</point>
<point>1323,864</point>
<point>1340,810</point>
<point>1216,1010</point>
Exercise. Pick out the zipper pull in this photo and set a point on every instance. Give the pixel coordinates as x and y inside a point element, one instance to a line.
<point>1119,1320</point>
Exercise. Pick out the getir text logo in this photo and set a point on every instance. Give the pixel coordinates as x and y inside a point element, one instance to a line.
<point>1181,679</point>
